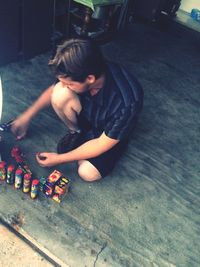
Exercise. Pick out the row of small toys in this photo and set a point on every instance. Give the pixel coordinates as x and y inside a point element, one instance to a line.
<point>20,176</point>
<point>15,175</point>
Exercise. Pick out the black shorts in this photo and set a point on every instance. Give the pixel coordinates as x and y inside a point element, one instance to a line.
<point>106,161</point>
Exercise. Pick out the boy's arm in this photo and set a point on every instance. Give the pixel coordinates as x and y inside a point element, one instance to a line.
<point>43,101</point>
<point>89,149</point>
<point>20,124</point>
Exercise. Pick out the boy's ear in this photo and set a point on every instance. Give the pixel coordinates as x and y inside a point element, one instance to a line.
<point>91,79</point>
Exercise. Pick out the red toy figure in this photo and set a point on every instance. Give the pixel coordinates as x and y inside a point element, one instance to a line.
<point>17,154</point>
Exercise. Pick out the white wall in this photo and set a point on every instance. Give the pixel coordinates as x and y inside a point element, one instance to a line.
<point>188,5</point>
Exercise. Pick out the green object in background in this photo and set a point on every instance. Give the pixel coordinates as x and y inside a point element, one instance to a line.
<point>93,3</point>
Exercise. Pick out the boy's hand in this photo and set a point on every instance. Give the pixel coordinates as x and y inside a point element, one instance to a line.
<point>20,126</point>
<point>48,159</point>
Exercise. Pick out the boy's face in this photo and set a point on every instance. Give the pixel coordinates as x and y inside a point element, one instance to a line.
<point>77,87</point>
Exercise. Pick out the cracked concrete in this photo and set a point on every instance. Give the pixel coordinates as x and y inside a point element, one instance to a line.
<point>103,247</point>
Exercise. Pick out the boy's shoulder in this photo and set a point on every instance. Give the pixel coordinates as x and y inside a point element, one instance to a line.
<point>122,76</point>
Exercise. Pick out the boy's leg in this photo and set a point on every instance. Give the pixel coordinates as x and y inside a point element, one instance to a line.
<point>67,105</point>
<point>95,168</point>
<point>87,171</point>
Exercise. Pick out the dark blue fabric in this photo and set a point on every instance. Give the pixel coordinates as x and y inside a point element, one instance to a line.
<point>115,108</point>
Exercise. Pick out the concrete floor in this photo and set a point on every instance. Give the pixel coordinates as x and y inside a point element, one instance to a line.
<point>146,212</point>
<point>14,250</point>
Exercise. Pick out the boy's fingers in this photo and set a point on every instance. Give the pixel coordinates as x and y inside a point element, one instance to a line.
<point>41,156</point>
<point>20,136</point>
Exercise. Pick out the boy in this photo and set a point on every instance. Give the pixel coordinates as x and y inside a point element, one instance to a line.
<point>98,101</point>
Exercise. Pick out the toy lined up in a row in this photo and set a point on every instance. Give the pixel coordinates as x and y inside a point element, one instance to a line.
<point>20,176</point>
<point>16,176</point>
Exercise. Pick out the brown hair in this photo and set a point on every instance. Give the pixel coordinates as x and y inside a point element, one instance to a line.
<point>77,58</point>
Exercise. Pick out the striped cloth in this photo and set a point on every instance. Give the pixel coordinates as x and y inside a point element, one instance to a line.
<point>115,108</point>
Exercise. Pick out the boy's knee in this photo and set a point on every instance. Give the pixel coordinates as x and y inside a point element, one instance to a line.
<point>57,96</point>
<point>60,95</point>
<point>63,97</point>
<point>88,172</point>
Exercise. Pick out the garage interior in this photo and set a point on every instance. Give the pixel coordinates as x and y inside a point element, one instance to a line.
<point>146,212</point>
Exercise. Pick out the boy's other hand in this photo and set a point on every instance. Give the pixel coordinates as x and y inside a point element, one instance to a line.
<point>48,159</point>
